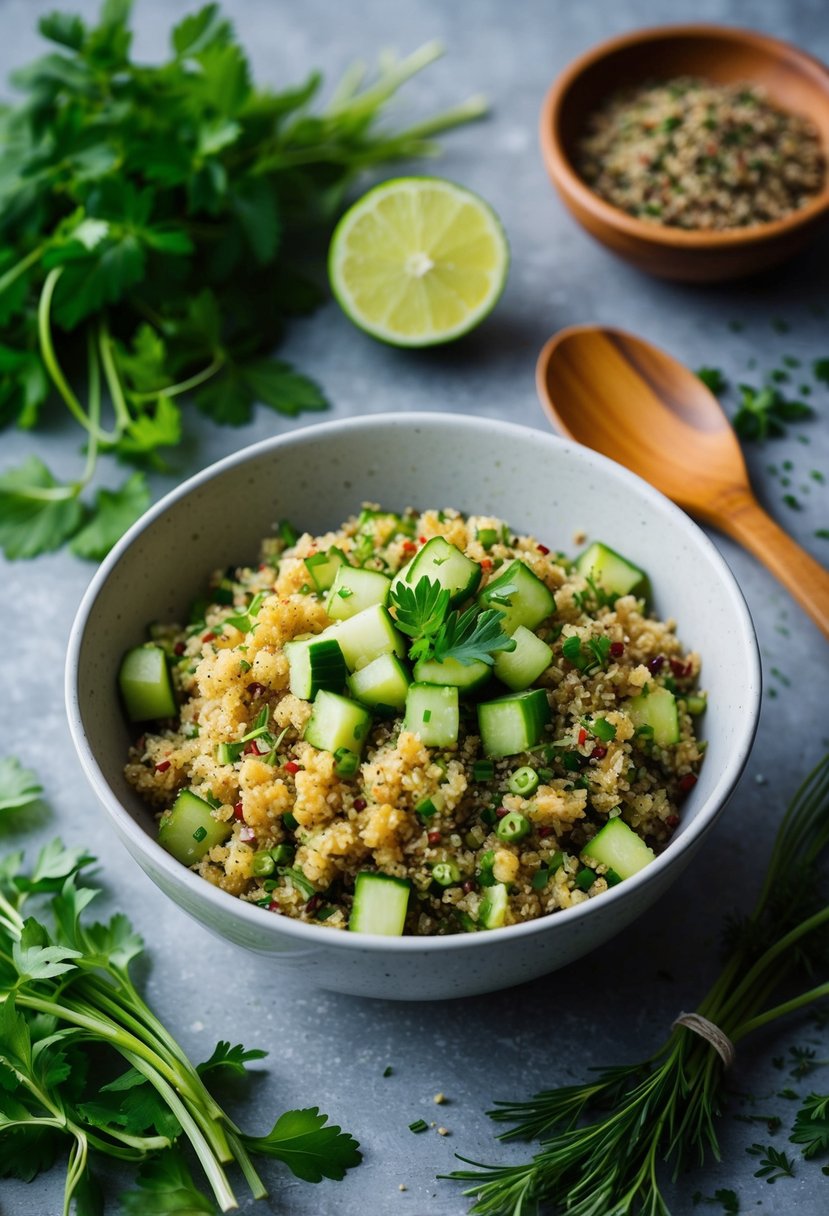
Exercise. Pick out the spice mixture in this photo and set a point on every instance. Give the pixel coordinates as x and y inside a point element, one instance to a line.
<point>692,154</point>
<point>299,823</point>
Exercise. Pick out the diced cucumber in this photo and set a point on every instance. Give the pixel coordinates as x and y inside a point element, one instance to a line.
<point>696,703</point>
<point>380,904</point>
<point>315,663</point>
<point>145,684</point>
<point>445,564</point>
<point>612,572</point>
<point>493,909</point>
<point>337,722</point>
<point>464,676</point>
<point>432,713</point>
<point>617,846</point>
<point>356,589</point>
<point>382,684</point>
<point>520,595</point>
<point>520,668</point>
<point>189,829</point>
<point>366,636</point>
<point>656,709</point>
<point>323,567</point>
<point>513,724</point>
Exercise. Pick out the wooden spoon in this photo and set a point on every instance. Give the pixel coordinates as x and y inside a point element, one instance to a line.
<point>631,401</point>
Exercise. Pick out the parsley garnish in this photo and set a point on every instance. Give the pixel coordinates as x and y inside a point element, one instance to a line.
<point>590,656</point>
<point>713,379</point>
<point>811,1125</point>
<point>422,612</point>
<point>146,211</point>
<point>763,413</point>
<point>774,1163</point>
<point>18,786</point>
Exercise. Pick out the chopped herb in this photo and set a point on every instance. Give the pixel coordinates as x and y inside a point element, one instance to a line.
<point>774,1163</point>
<point>713,378</point>
<point>764,413</point>
<point>820,370</point>
<point>791,501</point>
<point>811,1126</point>
<point>483,770</point>
<point>388,1070</point>
<point>419,1125</point>
<point>200,833</point>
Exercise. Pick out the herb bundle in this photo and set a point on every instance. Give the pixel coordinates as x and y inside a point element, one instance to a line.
<point>157,222</point>
<point>603,1143</point>
<point>67,1004</point>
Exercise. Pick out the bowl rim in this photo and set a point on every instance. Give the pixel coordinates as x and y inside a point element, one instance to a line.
<point>204,893</point>
<point>565,176</point>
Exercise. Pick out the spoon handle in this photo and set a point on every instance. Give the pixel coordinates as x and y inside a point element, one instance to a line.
<point>806,579</point>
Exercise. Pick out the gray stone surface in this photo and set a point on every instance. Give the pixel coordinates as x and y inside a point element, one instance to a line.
<point>618,1003</point>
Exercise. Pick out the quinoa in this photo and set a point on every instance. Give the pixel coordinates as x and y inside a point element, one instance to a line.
<point>689,153</point>
<point>230,670</point>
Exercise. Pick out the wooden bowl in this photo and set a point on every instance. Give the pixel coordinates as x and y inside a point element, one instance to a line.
<point>792,79</point>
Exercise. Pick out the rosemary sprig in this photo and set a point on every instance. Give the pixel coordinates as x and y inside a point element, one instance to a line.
<point>605,1143</point>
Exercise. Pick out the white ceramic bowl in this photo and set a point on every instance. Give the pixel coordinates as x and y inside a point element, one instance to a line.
<point>317,477</point>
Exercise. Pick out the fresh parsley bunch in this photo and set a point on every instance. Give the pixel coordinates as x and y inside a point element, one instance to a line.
<point>70,1014</point>
<point>157,223</point>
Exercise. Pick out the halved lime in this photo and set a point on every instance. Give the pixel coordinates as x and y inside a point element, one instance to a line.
<point>418,260</point>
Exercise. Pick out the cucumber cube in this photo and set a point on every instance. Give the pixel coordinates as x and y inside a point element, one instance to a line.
<point>445,564</point>
<point>144,680</point>
<point>520,668</point>
<point>380,904</point>
<point>432,713</point>
<point>493,909</point>
<point>323,567</point>
<point>382,684</point>
<point>464,676</point>
<point>189,829</point>
<point>658,710</point>
<point>356,589</point>
<point>366,636</point>
<point>619,848</point>
<point>612,572</point>
<point>315,663</point>
<point>337,722</point>
<point>520,595</point>
<point>510,725</point>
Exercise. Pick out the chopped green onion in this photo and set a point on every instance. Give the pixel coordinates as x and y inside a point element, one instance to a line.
<point>228,753</point>
<point>419,1125</point>
<point>324,913</point>
<point>200,834</point>
<point>523,781</point>
<point>486,537</point>
<point>256,603</point>
<point>426,808</point>
<point>346,762</point>
<point>290,822</point>
<point>483,770</point>
<point>485,876</point>
<point>446,874</point>
<point>298,879</point>
<point>612,878</point>
<point>263,864</point>
<point>283,854</point>
<point>287,533</point>
<point>244,666</point>
<point>585,879</point>
<point>514,826</point>
<point>602,729</point>
<point>540,878</point>
<point>427,715</point>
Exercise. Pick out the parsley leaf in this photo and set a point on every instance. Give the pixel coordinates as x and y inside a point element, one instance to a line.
<point>774,1164</point>
<point>472,638</point>
<point>18,786</point>
<point>166,1186</point>
<point>36,516</point>
<point>311,1148</point>
<point>590,656</point>
<point>811,1126</point>
<point>763,413</point>
<point>420,610</point>
<point>713,379</point>
<point>114,511</point>
<point>232,1058</point>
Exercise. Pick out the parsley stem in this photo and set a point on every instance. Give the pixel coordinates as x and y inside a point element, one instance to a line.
<point>183,386</point>
<point>257,1186</point>
<point>366,103</point>
<point>123,418</point>
<point>19,268</point>
<point>473,108</point>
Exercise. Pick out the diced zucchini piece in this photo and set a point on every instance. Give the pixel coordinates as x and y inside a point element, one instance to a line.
<point>520,668</point>
<point>337,722</point>
<point>510,725</point>
<point>382,684</point>
<point>493,909</point>
<point>315,663</point>
<point>380,903</point>
<point>464,676</point>
<point>356,589</point>
<point>368,635</point>
<point>189,829</point>
<point>612,572</point>
<point>145,684</point>
<point>619,848</point>
<point>656,709</point>
<point>520,595</point>
<point>432,713</point>
<point>323,567</point>
<point>445,564</point>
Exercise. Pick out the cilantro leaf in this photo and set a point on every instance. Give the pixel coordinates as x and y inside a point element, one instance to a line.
<point>18,786</point>
<point>34,518</point>
<point>420,610</point>
<point>472,638</point>
<point>166,1186</point>
<point>114,511</point>
<point>811,1126</point>
<point>232,1058</point>
<point>311,1148</point>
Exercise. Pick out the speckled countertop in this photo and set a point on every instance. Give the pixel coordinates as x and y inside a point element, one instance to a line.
<point>617,1003</point>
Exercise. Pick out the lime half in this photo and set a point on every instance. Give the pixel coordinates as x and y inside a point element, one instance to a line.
<point>418,260</point>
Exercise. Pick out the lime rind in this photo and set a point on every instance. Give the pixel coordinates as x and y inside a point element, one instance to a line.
<point>418,261</point>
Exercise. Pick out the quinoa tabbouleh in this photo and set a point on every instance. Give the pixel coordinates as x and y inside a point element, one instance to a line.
<point>694,154</point>
<point>491,735</point>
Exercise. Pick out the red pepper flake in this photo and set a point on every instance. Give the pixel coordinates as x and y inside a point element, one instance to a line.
<point>582,737</point>
<point>273,906</point>
<point>409,546</point>
<point>163,766</point>
<point>239,813</point>
<point>434,837</point>
<point>542,549</point>
<point>599,752</point>
<point>208,637</point>
<point>486,563</point>
<point>422,540</point>
<point>291,766</point>
<point>256,689</point>
<point>501,812</point>
<point>359,804</point>
<point>672,821</point>
<point>681,670</point>
<point>546,830</point>
<point>687,782</point>
<point>179,648</point>
<point>655,664</point>
<point>617,649</point>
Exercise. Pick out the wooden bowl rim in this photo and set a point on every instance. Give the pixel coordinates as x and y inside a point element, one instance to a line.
<point>566,177</point>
